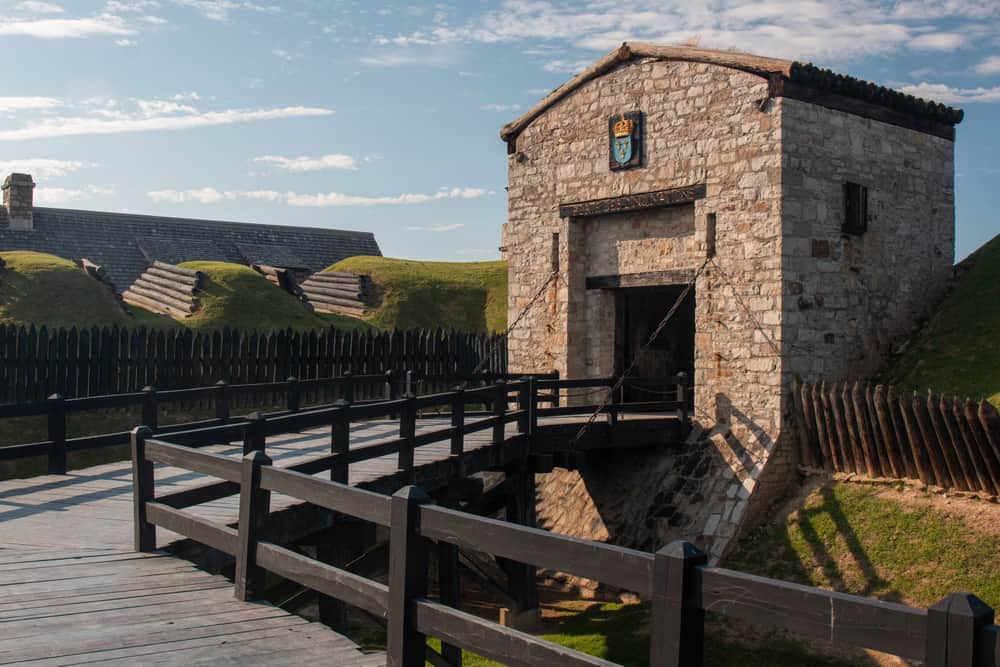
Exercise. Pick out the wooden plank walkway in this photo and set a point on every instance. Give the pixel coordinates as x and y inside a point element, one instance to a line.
<point>72,590</point>
<point>80,606</point>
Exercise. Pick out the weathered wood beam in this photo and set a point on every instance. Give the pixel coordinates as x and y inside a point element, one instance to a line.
<point>636,202</point>
<point>644,279</point>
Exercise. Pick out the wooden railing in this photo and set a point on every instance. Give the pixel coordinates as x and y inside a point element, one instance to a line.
<point>222,396</point>
<point>957,632</point>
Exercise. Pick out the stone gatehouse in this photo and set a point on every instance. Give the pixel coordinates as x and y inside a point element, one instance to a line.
<point>813,213</point>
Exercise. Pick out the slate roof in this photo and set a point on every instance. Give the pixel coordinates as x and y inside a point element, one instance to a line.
<point>126,244</point>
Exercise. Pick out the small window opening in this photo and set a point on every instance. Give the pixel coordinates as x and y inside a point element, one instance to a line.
<point>855,209</point>
<point>555,252</point>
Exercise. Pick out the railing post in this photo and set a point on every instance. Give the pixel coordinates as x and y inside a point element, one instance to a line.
<point>57,434</point>
<point>500,410</point>
<point>407,429</point>
<point>221,401</point>
<point>340,441</point>
<point>348,391</point>
<point>613,404</point>
<point>149,408</point>
<point>391,391</point>
<point>952,627</point>
<point>405,646</point>
<point>294,394</point>
<point>144,533</point>
<point>408,387</point>
<point>458,421</point>
<point>682,391</point>
<point>255,505</point>
<point>450,587</point>
<point>523,406</point>
<point>678,635</point>
<point>255,434</point>
<point>533,405</point>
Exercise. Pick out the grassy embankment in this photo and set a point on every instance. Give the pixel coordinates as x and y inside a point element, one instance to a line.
<point>957,351</point>
<point>238,297</point>
<point>464,296</point>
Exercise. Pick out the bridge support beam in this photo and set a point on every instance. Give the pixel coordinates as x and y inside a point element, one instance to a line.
<point>522,584</point>
<point>345,541</point>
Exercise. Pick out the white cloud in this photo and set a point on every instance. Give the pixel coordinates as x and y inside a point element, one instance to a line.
<point>152,108</point>
<point>950,95</point>
<point>65,127</point>
<point>203,195</point>
<point>186,96</point>
<point>8,104</point>
<point>305,163</point>
<point>938,41</point>
<point>329,199</point>
<point>41,167</point>
<point>423,57</point>
<point>57,196</point>
<point>36,7</point>
<point>989,66</point>
<point>105,24</point>
<point>499,107</point>
<point>219,10</point>
<point>437,228</point>
<point>130,6</point>
<point>126,42</point>
<point>799,29</point>
<point>340,199</point>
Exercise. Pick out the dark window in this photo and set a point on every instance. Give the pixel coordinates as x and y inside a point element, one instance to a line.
<point>855,209</point>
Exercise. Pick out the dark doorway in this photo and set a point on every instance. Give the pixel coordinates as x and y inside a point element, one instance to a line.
<point>640,311</point>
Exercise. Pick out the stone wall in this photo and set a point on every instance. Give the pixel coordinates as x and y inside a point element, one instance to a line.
<point>850,299</point>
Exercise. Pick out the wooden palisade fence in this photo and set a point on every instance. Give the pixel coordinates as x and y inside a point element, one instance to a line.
<point>883,432</point>
<point>36,363</point>
<point>956,632</point>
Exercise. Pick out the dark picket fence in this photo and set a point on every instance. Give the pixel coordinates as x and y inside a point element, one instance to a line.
<point>36,363</point>
<point>884,432</point>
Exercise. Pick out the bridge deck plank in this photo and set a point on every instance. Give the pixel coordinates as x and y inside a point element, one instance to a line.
<point>72,591</point>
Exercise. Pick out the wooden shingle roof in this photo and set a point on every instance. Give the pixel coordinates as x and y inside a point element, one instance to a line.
<point>126,244</point>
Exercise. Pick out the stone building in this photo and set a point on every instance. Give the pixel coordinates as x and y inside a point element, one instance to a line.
<point>813,213</point>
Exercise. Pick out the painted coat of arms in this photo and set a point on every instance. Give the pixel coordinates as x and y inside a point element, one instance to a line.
<point>625,134</point>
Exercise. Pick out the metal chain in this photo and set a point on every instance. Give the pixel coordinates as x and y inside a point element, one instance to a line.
<point>520,316</point>
<point>652,338</point>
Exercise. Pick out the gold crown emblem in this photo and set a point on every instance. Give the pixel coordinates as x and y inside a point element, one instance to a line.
<point>623,128</point>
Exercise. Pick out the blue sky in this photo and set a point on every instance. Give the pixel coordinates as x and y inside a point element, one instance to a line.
<point>385,116</point>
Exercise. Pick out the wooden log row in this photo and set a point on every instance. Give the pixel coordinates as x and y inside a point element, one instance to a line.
<point>167,283</point>
<point>153,305</point>
<point>335,301</point>
<point>182,302</point>
<point>172,290</point>
<point>346,292</point>
<point>879,432</point>
<point>180,270</point>
<point>337,310</point>
<point>336,278</point>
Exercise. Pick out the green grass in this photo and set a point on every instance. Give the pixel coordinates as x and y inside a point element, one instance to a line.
<point>45,290</point>
<point>464,296</point>
<point>958,350</point>
<point>619,633</point>
<point>854,539</point>
<point>238,297</point>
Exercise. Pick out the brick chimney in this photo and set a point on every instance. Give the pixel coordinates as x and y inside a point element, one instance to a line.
<point>18,201</point>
